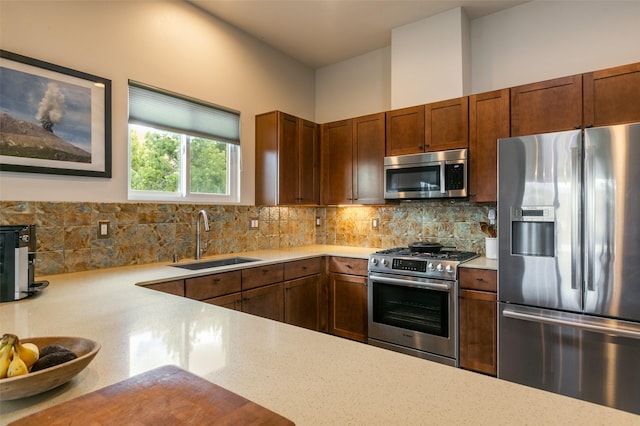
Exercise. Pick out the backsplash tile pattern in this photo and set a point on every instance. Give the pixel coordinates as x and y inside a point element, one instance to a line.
<point>67,233</point>
<point>450,223</point>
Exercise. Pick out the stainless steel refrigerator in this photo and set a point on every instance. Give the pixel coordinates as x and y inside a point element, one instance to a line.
<point>569,263</point>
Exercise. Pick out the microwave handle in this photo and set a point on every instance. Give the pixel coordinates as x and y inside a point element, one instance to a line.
<point>443,182</point>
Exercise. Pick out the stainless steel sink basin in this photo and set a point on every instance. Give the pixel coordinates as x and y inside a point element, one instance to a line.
<point>215,263</point>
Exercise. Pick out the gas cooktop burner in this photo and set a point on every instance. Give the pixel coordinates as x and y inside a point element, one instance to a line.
<point>444,254</point>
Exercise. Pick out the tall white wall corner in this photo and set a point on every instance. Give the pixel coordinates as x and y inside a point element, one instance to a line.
<point>430,59</point>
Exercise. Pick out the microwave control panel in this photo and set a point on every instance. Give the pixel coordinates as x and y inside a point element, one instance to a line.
<point>454,176</point>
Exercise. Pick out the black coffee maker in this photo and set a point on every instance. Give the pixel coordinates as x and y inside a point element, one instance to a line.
<point>17,258</point>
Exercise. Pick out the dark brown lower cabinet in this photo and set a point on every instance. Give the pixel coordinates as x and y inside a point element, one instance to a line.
<point>348,306</point>
<point>478,321</point>
<point>264,301</point>
<point>302,302</point>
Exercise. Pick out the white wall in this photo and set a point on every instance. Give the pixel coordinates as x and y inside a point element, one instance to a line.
<point>531,42</point>
<point>427,60</point>
<point>541,40</point>
<point>171,45</point>
<point>355,87</point>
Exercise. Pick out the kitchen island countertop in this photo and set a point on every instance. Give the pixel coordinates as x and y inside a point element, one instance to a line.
<point>309,377</point>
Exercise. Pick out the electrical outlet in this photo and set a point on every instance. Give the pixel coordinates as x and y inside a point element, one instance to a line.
<point>254,224</point>
<point>318,221</point>
<point>375,223</point>
<point>103,229</point>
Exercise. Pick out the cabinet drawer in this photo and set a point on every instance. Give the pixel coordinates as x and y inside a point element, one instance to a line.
<point>348,265</point>
<point>302,268</point>
<point>478,279</point>
<point>214,285</point>
<point>262,275</point>
<point>172,287</point>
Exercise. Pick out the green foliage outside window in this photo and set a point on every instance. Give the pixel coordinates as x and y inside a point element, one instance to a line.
<point>155,160</point>
<point>208,171</point>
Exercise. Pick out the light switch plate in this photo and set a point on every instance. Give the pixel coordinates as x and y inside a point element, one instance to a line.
<point>103,229</point>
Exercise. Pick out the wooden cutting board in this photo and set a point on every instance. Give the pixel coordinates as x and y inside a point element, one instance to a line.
<point>166,395</point>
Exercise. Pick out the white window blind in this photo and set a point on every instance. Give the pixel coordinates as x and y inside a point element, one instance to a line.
<point>168,111</point>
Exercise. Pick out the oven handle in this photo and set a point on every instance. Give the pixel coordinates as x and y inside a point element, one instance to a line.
<point>430,286</point>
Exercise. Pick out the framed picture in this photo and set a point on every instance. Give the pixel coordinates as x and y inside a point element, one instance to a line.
<point>53,119</point>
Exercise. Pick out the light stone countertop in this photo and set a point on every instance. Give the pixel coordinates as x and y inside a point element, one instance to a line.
<point>481,263</point>
<point>312,378</point>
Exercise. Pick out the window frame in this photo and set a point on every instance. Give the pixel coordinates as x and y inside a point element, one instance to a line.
<point>184,194</point>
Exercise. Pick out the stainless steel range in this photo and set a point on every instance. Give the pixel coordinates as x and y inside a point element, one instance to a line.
<point>413,300</point>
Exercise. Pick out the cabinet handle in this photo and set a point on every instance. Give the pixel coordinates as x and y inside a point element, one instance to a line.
<point>479,279</point>
<point>347,266</point>
<point>216,280</point>
<point>264,271</point>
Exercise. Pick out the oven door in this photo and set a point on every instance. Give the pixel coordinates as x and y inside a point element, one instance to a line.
<point>414,315</point>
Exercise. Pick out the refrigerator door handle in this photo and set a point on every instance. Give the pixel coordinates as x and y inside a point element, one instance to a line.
<point>586,326</point>
<point>576,231</point>
<point>589,206</point>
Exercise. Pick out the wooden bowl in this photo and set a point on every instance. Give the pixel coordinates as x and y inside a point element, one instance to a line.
<point>49,378</point>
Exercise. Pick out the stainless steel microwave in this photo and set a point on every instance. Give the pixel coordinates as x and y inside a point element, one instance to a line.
<point>438,174</point>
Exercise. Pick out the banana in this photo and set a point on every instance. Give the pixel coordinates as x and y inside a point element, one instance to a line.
<point>5,356</point>
<point>17,367</point>
<point>28,352</point>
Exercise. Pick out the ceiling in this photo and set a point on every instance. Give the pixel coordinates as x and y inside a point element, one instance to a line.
<point>323,32</point>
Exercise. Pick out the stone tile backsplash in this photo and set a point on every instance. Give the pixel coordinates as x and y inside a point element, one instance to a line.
<point>67,233</point>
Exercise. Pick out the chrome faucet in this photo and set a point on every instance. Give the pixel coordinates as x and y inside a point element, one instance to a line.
<point>202,214</point>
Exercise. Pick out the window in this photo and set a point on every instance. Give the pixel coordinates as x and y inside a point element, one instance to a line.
<point>181,149</point>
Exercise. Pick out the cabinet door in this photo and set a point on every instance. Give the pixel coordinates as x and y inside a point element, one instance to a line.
<point>172,287</point>
<point>547,106</point>
<point>266,302</point>
<point>303,303</point>
<point>287,159</point>
<point>348,306</point>
<point>447,124</point>
<point>308,164</point>
<point>230,301</point>
<point>478,335</point>
<point>368,154</point>
<point>612,96</point>
<point>208,286</point>
<point>405,131</point>
<point>337,163</point>
<point>488,121</point>
<point>266,180</point>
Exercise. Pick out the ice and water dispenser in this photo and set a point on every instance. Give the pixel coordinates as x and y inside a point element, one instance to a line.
<point>533,231</point>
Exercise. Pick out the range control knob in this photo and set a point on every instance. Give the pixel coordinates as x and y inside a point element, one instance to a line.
<point>385,262</point>
<point>374,261</point>
<point>430,266</point>
<point>439,268</point>
<point>449,270</point>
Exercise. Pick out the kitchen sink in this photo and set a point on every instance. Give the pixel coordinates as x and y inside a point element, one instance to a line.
<point>215,263</point>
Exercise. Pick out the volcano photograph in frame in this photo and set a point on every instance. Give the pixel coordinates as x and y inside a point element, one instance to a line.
<point>53,119</point>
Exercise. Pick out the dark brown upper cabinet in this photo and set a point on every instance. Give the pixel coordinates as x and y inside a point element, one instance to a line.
<point>612,96</point>
<point>353,160</point>
<point>447,124</point>
<point>547,106</point>
<point>488,121</point>
<point>405,131</point>
<point>287,160</point>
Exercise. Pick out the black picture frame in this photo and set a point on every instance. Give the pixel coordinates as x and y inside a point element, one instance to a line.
<point>53,120</point>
